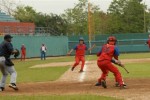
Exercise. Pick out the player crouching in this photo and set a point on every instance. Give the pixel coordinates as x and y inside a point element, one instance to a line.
<point>104,62</point>
<point>80,54</point>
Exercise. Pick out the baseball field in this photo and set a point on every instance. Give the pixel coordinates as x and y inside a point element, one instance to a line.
<point>52,79</point>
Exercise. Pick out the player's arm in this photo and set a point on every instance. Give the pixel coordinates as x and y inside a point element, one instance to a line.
<point>99,53</point>
<point>10,48</point>
<point>69,53</point>
<point>116,58</point>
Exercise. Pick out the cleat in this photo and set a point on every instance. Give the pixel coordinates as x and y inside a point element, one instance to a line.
<point>81,71</point>
<point>72,68</point>
<point>2,89</point>
<point>123,86</point>
<point>103,82</point>
<point>13,86</point>
<point>117,84</point>
<point>98,84</point>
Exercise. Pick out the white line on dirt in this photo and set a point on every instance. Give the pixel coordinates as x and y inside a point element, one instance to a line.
<point>83,74</point>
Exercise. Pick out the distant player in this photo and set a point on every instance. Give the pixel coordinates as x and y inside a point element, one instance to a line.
<point>23,52</point>
<point>7,66</point>
<point>148,42</point>
<point>80,54</point>
<point>43,52</point>
<point>104,62</point>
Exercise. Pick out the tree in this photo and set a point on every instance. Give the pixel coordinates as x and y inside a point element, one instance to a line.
<point>127,16</point>
<point>8,6</point>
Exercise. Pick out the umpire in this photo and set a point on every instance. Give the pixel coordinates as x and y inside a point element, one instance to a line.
<point>6,65</point>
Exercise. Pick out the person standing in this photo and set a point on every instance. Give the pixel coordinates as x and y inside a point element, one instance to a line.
<point>23,52</point>
<point>43,52</point>
<point>7,66</point>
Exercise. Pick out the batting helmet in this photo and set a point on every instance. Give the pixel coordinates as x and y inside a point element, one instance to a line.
<point>81,39</point>
<point>112,40</point>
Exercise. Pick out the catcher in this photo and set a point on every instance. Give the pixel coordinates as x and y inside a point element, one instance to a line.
<point>104,62</point>
<point>6,65</point>
<point>80,54</point>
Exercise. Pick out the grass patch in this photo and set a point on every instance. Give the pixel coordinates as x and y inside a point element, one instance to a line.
<point>137,70</point>
<point>58,97</point>
<point>125,56</point>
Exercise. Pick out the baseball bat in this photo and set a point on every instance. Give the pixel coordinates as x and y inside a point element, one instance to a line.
<point>125,69</point>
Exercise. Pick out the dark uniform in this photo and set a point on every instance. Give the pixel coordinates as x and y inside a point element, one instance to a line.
<point>6,50</point>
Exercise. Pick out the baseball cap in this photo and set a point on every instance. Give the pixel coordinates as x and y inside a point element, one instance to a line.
<point>7,36</point>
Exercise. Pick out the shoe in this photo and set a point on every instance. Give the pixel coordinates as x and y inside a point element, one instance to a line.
<point>117,85</point>
<point>13,86</point>
<point>2,89</point>
<point>72,68</point>
<point>123,86</point>
<point>98,84</point>
<point>103,82</point>
<point>81,71</point>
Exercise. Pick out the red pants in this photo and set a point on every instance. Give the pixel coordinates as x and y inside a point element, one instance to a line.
<point>107,66</point>
<point>23,56</point>
<point>78,59</point>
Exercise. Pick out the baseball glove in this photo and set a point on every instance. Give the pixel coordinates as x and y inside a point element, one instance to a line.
<point>17,53</point>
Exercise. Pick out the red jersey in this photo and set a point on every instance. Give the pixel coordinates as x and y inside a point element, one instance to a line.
<point>148,41</point>
<point>23,49</point>
<point>80,49</point>
<point>108,52</point>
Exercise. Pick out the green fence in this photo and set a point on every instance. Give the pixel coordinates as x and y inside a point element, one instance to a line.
<point>56,45</point>
<point>126,42</point>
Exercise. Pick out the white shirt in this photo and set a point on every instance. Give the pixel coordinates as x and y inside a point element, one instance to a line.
<point>43,48</point>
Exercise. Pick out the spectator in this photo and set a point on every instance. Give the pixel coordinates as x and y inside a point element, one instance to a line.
<point>23,52</point>
<point>43,52</point>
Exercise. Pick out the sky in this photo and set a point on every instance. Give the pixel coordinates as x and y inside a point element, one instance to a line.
<point>58,6</point>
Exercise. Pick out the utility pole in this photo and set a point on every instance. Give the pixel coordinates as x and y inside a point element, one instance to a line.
<point>144,19</point>
<point>89,24</point>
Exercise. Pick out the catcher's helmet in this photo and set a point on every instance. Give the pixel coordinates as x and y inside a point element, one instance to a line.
<point>111,40</point>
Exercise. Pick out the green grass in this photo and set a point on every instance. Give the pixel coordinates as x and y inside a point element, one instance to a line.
<point>137,70</point>
<point>26,74</point>
<point>125,56</point>
<point>58,97</point>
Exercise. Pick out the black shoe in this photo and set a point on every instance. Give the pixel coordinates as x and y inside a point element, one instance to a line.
<point>98,84</point>
<point>72,68</point>
<point>103,82</point>
<point>2,89</point>
<point>13,86</point>
<point>117,84</point>
<point>81,71</point>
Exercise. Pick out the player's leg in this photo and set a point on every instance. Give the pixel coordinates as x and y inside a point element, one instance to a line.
<point>41,55</point>
<point>44,54</point>
<point>13,77</point>
<point>104,74</point>
<point>4,77</point>
<point>116,73</point>
<point>77,60</point>
<point>83,63</point>
<point>21,56</point>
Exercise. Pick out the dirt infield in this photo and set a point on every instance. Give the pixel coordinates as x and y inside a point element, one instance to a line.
<point>125,61</point>
<point>83,83</point>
